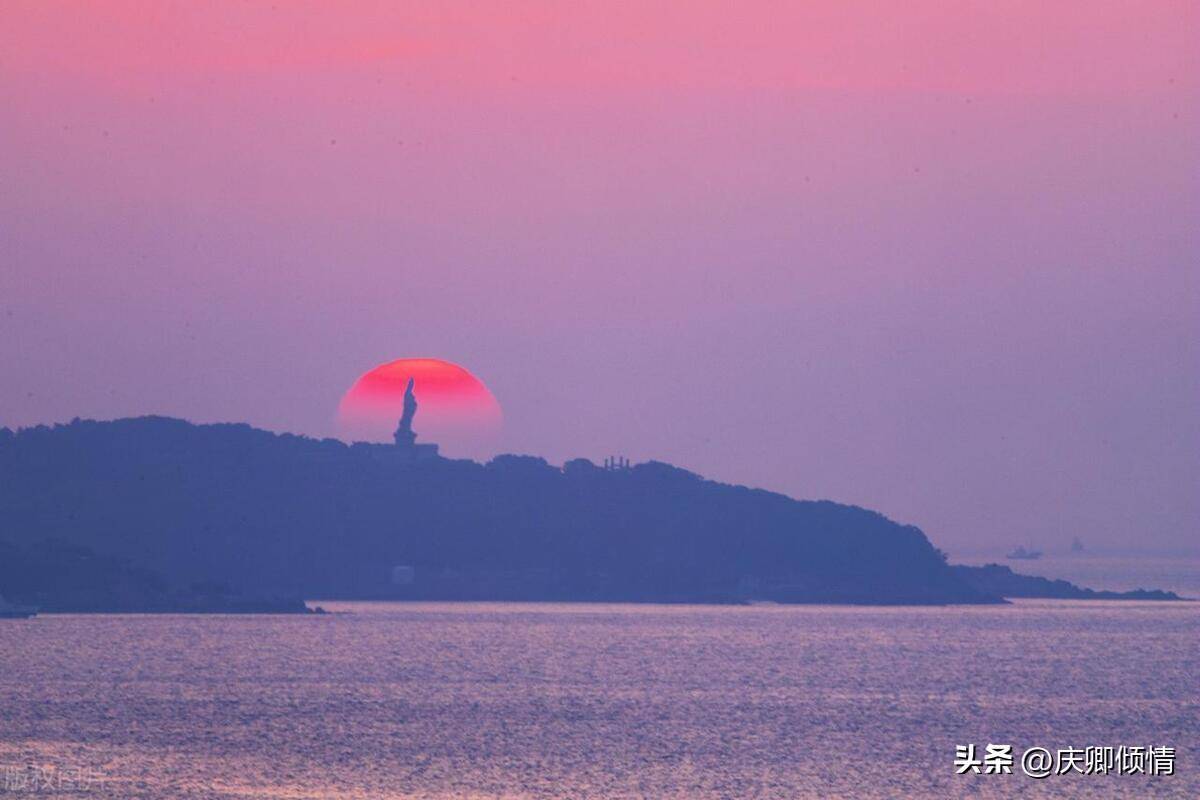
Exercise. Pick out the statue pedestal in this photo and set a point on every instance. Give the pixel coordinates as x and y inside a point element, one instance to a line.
<point>407,450</point>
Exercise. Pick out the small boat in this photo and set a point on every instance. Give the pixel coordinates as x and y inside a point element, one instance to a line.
<point>1021,554</point>
<point>1077,546</point>
<point>10,611</point>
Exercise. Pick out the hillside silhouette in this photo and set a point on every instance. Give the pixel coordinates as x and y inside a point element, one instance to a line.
<point>284,515</point>
<point>1000,580</point>
<point>58,576</point>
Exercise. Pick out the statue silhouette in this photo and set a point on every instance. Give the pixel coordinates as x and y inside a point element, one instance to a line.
<point>404,435</point>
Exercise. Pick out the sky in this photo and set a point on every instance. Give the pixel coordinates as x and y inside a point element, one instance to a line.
<point>935,259</point>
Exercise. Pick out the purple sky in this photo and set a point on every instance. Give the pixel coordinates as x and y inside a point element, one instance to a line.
<point>938,263</point>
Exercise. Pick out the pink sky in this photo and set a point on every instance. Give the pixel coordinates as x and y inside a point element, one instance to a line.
<point>938,259</point>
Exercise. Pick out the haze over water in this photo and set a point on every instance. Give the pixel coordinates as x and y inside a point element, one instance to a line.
<point>542,701</point>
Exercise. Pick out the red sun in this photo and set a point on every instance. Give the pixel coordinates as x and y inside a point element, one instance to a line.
<point>454,408</point>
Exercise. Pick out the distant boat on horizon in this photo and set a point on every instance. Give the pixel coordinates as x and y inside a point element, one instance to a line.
<point>1077,546</point>
<point>10,611</point>
<point>1021,554</point>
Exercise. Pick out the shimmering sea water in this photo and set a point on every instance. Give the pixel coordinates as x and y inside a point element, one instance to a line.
<point>594,701</point>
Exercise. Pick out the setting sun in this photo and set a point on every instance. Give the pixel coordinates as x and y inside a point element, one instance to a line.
<point>456,409</point>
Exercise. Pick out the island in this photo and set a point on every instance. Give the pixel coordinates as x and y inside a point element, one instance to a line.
<point>1000,580</point>
<point>54,576</point>
<point>279,515</point>
<point>158,514</point>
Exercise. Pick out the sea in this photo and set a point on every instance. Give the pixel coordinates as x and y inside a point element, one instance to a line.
<point>445,700</point>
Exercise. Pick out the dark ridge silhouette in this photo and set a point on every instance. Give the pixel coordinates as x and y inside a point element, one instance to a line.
<point>284,515</point>
<point>998,579</point>
<point>57,576</point>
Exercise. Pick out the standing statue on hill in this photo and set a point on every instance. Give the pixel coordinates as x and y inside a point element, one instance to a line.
<point>404,434</point>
